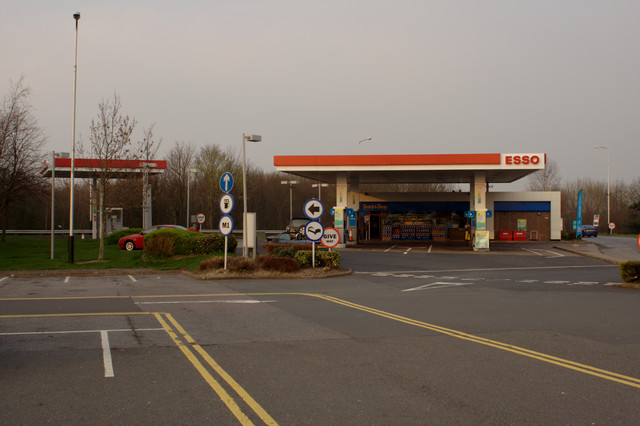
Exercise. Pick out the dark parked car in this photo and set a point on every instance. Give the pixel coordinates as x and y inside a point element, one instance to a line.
<point>285,238</point>
<point>136,241</point>
<point>589,231</point>
<point>297,225</point>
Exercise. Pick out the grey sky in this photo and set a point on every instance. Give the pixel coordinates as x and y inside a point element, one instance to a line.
<point>464,76</point>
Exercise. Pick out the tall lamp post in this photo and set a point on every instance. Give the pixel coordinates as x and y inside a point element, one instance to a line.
<point>76,16</point>
<point>245,138</point>
<point>320,186</point>
<point>608,186</point>
<point>360,141</point>
<point>290,183</point>
<point>190,171</point>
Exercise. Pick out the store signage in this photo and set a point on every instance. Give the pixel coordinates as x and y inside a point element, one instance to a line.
<point>522,159</point>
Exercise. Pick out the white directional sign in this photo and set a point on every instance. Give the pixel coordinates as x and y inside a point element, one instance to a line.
<point>225,225</point>
<point>331,238</point>
<point>226,182</point>
<point>314,231</point>
<point>313,209</point>
<point>226,203</point>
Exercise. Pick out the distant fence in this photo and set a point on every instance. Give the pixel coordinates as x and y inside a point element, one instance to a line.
<point>87,232</point>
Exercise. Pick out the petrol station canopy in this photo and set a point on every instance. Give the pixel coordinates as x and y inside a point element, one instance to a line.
<point>88,168</point>
<point>423,168</point>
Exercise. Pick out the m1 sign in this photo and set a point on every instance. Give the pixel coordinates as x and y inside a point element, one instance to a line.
<point>526,161</point>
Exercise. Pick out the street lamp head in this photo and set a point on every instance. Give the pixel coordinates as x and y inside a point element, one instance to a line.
<point>253,138</point>
<point>76,16</point>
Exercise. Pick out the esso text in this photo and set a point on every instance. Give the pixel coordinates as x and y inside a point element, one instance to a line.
<point>521,159</point>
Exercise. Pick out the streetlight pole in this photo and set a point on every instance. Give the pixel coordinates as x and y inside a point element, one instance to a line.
<point>189,194</point>
<point>359,142</point>
<point>76,16</point>
<point>608,186</point>
<point>290,183</point>
<point>250,138</point>
<point>320,186</point>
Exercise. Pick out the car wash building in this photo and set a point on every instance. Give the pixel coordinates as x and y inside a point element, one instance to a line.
<point>478,215</point>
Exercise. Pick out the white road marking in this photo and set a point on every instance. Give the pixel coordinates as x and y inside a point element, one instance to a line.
<point>20,333</point>
<point>171,302</point>
<point>106,354</point>
<point>555,254</point>
<point>132,279</point>
<point>527,281</point>
<point>389,249</point>
<point>66,279</point>
<point>531,251</point>
<point>585,283</point>
<point>424,276</point>
<point>430,245</point>
<point>437,284</point>
<point>612,284</point>
<point>557,282</point>
<point>449,278</point>
<point>408,250</point>
<point>3,278</point>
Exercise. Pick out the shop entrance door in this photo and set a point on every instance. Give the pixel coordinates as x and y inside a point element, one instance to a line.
<point>375,226</point>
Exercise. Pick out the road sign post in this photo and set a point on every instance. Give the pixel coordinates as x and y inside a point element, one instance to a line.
<point>314,230</point>
<point>330,238</point>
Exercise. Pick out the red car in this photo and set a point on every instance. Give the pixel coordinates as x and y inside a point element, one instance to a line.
<point>136,241</point>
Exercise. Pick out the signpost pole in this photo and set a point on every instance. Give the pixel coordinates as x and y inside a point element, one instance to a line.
<point>226,239</point>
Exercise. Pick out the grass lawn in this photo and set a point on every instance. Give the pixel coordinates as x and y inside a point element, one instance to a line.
<point>34,253</point>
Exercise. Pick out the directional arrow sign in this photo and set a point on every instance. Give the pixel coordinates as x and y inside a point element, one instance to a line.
<point>314,231</point>
<point>226,182</point>
<point>225,225</point>
<point>313,209</point>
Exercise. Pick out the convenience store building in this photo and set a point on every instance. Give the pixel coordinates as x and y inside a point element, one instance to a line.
<point>477,214</point>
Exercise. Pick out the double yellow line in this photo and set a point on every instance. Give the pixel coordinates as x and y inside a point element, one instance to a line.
<point>179,337</point>
<point>587,369</point>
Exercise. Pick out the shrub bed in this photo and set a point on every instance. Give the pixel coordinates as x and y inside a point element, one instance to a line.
<point>270,247</point>
<point>172,242</point>
<point>630,272</point>
<point>326,259</point>
<point>280,264</point>
<point>114,237</point>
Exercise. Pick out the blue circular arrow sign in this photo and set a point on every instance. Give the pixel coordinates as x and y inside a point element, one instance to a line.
<point>313,209</point>
<point>226,182</point>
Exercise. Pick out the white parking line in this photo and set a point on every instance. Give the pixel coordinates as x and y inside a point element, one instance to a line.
<point>66,279</point>
<point>437,284</point>
<point>106,354</point>
<point>585,283</point>
<point>408,250</point>
<point>3,278</point>
<point>389,249</point>
<point>132,279</point>
<point>557,282</point>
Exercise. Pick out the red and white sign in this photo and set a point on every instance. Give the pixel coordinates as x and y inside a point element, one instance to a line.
<point>639,241</point>
<point>523,160</point>
<point>612,226</point>
<point>201,218</point>
<point>331,238</point>
<point>596,220</point>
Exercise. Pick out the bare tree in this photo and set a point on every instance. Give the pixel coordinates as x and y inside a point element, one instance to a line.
<point>110,139</point>
<point>21,141</point>
<point>547,179</point>
<point>175,180</point>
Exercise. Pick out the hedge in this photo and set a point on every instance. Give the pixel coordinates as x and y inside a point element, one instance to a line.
<point>171,242</point>
<point>114,237</point>
<point>326,259</point>
<point>630,272</point>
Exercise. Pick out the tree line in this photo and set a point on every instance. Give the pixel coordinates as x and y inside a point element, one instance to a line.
<point>192,175</point>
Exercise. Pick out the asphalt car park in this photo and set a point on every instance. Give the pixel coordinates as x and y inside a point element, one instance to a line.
<point>411,337</point>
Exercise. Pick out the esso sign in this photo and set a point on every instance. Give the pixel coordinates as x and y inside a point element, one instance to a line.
<point>522,159</point>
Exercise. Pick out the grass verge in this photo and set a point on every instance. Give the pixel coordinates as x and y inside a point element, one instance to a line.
<point>34,253</point>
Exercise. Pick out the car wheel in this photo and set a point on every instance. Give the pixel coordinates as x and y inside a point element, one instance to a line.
<point>129,246</point>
